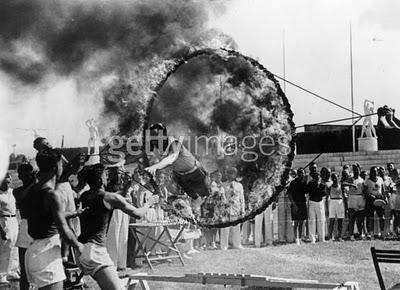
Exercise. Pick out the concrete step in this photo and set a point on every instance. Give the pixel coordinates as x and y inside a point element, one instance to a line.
<point>338,159</point>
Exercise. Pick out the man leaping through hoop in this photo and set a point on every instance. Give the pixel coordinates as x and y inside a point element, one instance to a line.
<point>188,172</point>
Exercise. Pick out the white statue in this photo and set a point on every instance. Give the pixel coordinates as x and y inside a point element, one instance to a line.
<point>368,127</point>
<point>94,134</point>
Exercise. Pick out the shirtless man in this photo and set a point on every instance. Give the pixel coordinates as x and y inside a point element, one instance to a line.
<point>187,171</point>
<point>95,260</point>
<point>46,223</point>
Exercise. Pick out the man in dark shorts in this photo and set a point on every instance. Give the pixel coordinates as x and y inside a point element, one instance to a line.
<point>46,222</point>
<point>27,175</point>
<point>188,172</point>
<point>297,194</point>
<point>94,259</point>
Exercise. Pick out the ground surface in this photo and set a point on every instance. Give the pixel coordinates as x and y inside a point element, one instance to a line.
<point>326,262</point>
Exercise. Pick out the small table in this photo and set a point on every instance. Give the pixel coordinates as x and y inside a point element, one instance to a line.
<point>145,229</point>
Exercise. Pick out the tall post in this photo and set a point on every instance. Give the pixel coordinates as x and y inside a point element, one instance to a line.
<point>353,130</point>
<point>284,61</point>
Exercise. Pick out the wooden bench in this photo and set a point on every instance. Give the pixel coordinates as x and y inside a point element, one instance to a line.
<point>248,281</point>
<point>384,256</point>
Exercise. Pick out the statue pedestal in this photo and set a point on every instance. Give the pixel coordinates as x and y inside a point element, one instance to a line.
<point>95,158</point>
<point>366,144</point>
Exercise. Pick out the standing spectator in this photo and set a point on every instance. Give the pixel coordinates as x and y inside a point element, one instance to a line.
<point>260,186</point>
<point>27,175</point>
<point>388,188</point>
<point>234,194</point>
<point>312,167</point>
<point>46,222</point>
<point>345,177</point>
<point>392,171</point>
<point>336,207</point>
<point>8,231</point>
<point>118,229</point>
<point>297,194</point>
<point>374,192</point>
<point>212,207</point>
<point>326,183</point>
<point>395,204</point>
<point>285,230</point>
<point>356,202</point>
<point>316,210</point>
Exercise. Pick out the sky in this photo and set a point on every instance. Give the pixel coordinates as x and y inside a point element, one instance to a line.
<point>315,35</point>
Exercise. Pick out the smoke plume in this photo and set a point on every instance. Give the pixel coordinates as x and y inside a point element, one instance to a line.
<point>100,50</point>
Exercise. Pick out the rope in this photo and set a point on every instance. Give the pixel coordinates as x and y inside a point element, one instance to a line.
<point>338,120</point>
<point>316,95</point>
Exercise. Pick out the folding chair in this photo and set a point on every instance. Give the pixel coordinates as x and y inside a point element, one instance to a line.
<point>384,256</point>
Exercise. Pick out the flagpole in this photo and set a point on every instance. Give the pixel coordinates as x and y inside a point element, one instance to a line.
<point>352,91</point>
<point>284,61</point>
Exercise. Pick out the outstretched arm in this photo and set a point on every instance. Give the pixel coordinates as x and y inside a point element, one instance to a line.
<point>167,161</point>
<point>118,202</point>
<point>66,233</point>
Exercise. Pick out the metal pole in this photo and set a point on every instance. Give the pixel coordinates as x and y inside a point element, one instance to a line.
<point>351,91</point>
<point>284,61</point>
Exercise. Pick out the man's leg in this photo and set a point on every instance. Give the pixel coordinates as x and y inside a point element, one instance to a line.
<point>388,218</point>
<point>352,220</point>
<point>340,226</point>
<point>370,219</point>
<point>380,211</point>
<point>312,221</point>
<point>330,229</point>
<point>224,238</point>
<point>258,229</point>
<point>23,281</point>
<point>5,251</point>
<point>281,218</point>
<point>269,226</point>
<point>107,278</point>
<point>236,237</point>
<point>321,221</point>
<point>289,223</point>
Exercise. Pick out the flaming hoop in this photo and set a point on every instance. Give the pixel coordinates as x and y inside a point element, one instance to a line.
<point>271,116</point>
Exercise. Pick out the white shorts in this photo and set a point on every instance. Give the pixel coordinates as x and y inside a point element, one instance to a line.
<point>336,208</point>
<point>43,262</point>
<point>24,239</point>
<point>356,202</point>
<point>94,258</point>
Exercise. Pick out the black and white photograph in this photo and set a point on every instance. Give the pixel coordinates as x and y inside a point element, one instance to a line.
<point>199,144</point>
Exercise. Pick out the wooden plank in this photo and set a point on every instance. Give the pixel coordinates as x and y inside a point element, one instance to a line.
<point>224,280</point>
